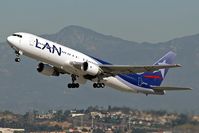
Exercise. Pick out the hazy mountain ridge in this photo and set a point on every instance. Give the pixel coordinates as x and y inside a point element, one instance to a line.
<point>89,40</point>
<point>22,88</point>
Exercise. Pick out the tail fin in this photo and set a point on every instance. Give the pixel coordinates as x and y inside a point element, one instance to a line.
<point>155,78</point>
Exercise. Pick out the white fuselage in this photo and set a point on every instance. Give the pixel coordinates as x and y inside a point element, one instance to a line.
<point>61,57</point>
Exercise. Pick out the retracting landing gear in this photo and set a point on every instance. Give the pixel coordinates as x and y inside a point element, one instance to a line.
<point>18,53</point>
<point>98,85</point>
<point>73,84</point>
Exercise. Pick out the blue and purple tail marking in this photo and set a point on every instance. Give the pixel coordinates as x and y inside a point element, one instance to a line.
<point>155,78</point>
<point>146,79</point>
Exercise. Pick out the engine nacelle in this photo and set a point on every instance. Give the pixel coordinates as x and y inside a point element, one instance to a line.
<point>47,70</point>
<point>91,69</point>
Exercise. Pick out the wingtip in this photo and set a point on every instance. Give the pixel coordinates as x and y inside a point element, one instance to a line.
<point>189,89</point>
<point>178,65</point>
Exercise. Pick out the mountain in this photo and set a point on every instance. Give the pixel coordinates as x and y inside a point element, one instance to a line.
<point>23,89</point>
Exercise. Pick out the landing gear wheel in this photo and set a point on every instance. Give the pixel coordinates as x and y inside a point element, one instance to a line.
<point>76,85</point>
<point>102,85</point>
<point>17,59</point>
<point>98,85</point>
<point>94,85</point>
<point>73,85</point>
<point>69,85</point>
<point>18,53</point>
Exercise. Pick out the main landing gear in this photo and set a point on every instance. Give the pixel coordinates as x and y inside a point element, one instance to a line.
<point>73,84</point>
<point>98,85</point>
<point>18,53</point>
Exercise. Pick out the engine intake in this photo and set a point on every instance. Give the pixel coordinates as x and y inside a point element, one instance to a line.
<point>47,70</point>
<point>91,69</point>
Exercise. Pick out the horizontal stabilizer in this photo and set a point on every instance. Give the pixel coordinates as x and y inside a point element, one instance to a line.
<point>166,88</point>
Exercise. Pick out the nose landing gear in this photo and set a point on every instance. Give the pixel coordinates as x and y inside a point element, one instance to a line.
<point>18,53</point>
<point>17,59</point>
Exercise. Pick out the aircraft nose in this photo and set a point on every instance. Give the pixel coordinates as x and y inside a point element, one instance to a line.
<point>10,40</point>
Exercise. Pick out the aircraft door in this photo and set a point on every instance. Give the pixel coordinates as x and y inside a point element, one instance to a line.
<point>32,41</point>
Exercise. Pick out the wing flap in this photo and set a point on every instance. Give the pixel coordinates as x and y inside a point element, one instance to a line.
<point>167,88</point>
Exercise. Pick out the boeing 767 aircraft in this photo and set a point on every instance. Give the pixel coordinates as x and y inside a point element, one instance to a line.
<point>56,59</point>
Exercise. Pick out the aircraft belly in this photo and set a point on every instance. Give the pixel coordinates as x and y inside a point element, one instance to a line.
<point>116,84</point>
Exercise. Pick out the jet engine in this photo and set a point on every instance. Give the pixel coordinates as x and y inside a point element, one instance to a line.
<point>47,70</point>
<point>91,69</point>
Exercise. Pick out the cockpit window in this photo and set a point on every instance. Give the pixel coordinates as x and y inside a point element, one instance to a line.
<point>20,36</point>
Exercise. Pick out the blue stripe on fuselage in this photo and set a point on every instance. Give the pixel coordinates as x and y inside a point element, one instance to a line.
<point>134,79</point>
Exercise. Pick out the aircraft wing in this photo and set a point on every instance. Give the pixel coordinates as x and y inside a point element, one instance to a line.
<point>166,88</point>
<point>127,69</point>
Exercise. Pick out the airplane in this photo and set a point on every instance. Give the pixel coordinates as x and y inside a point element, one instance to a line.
<point>55,59</point>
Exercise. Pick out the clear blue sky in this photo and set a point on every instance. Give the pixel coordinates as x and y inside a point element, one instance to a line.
<point>136,20</point>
